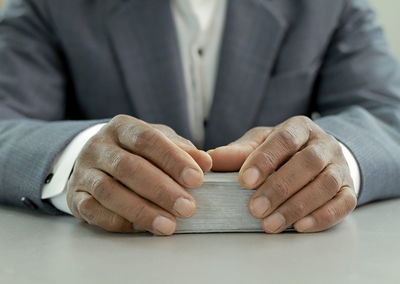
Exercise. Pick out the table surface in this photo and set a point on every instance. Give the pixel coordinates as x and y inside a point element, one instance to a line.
<point>36,248</point>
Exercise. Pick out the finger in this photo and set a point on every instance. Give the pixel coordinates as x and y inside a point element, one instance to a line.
<point>94,213</point>
<point>280,145</point>
<point>301,169</point>
<point>140,138</point>
<point>143,178</point>
<point>311,197</point>
<point>231,157</point>
<point>127,204</point>
<point>202,158</point>
<point>329,214</point>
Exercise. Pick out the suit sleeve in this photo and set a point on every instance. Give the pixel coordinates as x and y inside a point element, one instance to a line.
<point>358,97</point>
<point>33,98</point>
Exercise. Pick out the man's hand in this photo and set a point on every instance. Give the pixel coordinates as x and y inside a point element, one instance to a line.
<point>132,176</point>
<point>300,172</point>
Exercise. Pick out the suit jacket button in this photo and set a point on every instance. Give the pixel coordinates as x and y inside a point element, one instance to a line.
<point>28,203</point>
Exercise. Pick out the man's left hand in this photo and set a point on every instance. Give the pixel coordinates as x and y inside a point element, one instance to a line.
<point>300,173</point>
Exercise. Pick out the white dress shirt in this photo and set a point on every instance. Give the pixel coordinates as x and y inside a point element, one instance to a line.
<point>199,25</point>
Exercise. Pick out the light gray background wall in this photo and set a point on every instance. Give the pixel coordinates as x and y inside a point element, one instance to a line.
<point>389,16</point>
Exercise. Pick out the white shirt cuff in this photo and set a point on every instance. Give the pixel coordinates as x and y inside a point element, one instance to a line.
<point>61,169</point>
<point>353,166</point>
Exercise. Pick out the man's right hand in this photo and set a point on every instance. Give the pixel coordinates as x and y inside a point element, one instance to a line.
<point>132,176</point>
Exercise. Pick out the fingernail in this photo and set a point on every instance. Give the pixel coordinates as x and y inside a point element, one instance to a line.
<point>251,176</point>
<point>164,225</point>
<point>274,222</point>
<point>191,177</point>
<point>305,224</point>
<point>260,206</point>
<point>184,207</point>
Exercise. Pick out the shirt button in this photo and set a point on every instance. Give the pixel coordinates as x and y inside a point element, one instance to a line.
<point>28,203</point>
<point>200,52</point>
<point>48,178</point>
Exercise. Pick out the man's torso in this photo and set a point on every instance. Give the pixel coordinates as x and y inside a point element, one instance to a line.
<point>123,57</point>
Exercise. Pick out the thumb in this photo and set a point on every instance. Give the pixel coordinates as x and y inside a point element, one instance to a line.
<point>231,157</point>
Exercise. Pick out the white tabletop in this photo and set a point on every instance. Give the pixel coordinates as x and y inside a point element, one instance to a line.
<point>36,248</point>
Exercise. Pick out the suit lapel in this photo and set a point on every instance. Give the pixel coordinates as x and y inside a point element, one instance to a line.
<point>144,42</point>
<point>254,31</point>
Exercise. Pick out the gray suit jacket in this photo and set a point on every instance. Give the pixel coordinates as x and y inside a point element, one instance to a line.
<point>66,64</point>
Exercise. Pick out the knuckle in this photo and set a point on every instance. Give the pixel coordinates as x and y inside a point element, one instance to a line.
<point>115,224</point>
<point>280,189</point>
<point>100,188</point>
<point>304,120</point>
<point>118,124</point>
<point>162,193</point>
<point>256,130</point>
<point>331,180</point>
<point>138,213</point>
<point>164,128</point>
<point>297,209</point>
<point>119,119</point>
<point>314,158</point>
<point>331,215</point>
<point>120,163</point>
<point>117,161</point>
<point>265,161</point>
<point>184,141</point>
<point>288,139</point>
<point>85,208</point>
<point>169,159</point>
<point>143,137</point>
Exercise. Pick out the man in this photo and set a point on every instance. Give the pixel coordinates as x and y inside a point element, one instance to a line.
<point>241,79</point>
